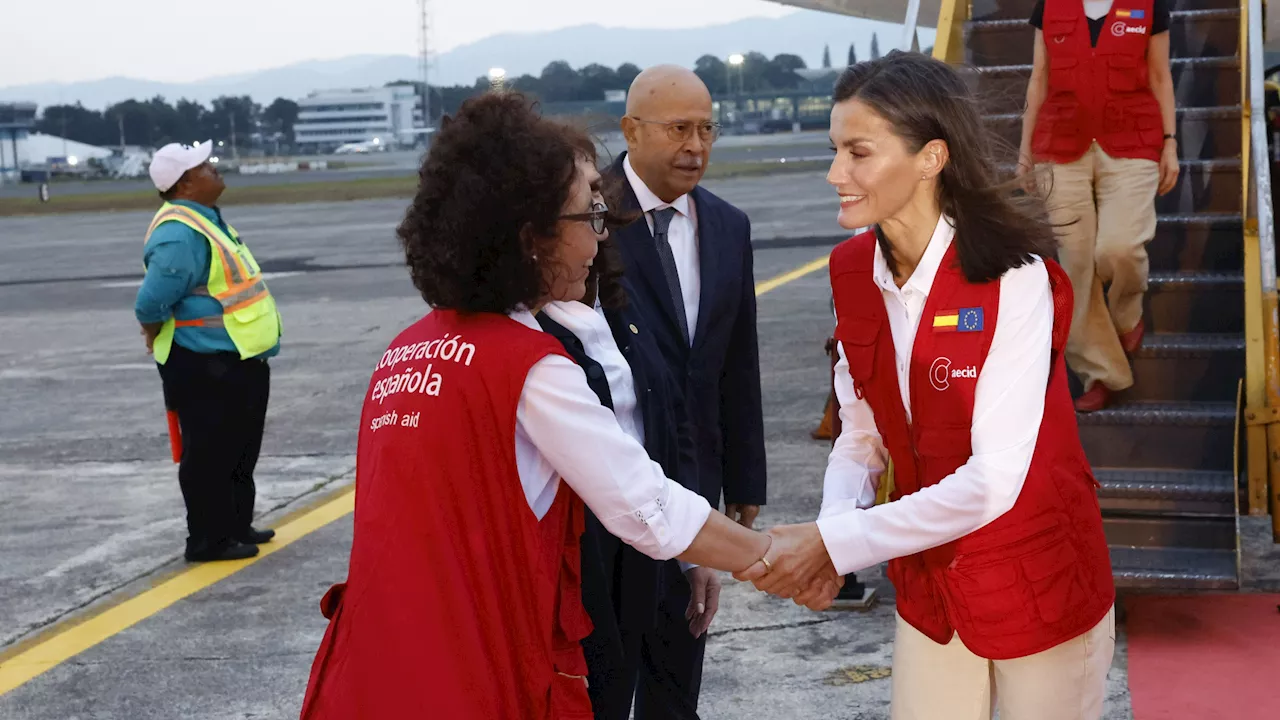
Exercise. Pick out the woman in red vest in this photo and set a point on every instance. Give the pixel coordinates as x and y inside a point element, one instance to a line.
<point>951,320</point>
<point>1101,115</point>
<point>480,442</point>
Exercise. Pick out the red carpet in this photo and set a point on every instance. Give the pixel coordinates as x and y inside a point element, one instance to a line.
<point>1204,657</point>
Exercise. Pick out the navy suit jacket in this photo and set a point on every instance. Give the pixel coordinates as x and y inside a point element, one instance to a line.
<point>621,587</point>
<point>719,376</point>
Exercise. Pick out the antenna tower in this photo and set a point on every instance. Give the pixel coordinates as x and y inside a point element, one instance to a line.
<point>423,37</point>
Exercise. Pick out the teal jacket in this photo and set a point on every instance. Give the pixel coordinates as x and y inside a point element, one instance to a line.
<point>177,260</point>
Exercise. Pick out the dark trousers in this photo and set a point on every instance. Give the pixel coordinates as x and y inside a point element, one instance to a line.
<point>221,403</point>
<point>621,600</point>
<point>671,659</point>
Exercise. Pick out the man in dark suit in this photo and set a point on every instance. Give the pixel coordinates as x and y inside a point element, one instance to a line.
<point>689,261</point>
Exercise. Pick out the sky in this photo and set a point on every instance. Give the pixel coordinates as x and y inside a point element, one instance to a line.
<point>166,40</point>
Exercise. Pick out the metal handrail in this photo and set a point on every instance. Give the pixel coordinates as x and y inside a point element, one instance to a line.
<point>1263,408</point>
<point>1262,209</point>
<point>909,25</point>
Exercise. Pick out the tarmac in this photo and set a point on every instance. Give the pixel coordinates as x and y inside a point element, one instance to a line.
<point>92,513</point>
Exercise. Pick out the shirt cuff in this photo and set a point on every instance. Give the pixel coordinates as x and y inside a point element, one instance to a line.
<point>838,507</point>
<point>675,523</point>
<point>844,535</point>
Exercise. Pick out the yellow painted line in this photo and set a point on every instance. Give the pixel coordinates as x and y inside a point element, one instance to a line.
<point>786,277</point>
<point>45,655</point>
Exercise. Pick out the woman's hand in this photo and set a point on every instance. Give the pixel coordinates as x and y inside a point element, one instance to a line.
<point>1170,168</point>
<point>1026,171</point>
<point>795,558</point>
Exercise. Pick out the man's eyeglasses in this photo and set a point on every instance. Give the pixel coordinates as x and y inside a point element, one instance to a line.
<point>681,130</point>
<point>599,211</point>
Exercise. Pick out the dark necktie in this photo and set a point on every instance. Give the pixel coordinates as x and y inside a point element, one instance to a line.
<point>661,222</point>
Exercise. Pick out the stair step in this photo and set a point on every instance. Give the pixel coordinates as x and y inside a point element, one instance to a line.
<point>1021,9</point>
<point>1211,242</point>
<point>1185,435</point>
<point>1197,82</point>
<point>1180,492</point>
<point>1192,33</point>
<point>1195,302</point>
<point>1186,367</point>
<point>1204,186</point>
<point>1151,568</point>
<point>1204,133</point>
<point>1181,531</point>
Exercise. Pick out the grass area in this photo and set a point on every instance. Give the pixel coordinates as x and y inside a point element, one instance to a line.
<point>323,191</point>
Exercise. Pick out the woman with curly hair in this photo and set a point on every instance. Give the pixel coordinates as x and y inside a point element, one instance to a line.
<point>480,443</point>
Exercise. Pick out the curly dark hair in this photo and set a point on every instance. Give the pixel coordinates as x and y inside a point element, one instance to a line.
<point>490,193</point>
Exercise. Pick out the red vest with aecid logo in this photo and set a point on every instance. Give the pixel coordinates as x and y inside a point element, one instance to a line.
<point>459,602</point>
<point>1041,573</point>
<point>1100,93</point>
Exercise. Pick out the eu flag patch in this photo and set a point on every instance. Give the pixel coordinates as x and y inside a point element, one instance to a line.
<point>1134,14</point>
<point>962,320</point>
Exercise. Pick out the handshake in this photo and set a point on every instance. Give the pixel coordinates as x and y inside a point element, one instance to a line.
<point>797,567</point>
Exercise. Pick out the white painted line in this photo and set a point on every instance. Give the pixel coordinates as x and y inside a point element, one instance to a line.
<point>138,282</point>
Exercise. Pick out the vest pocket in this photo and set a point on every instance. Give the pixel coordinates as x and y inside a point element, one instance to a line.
<point>945,442</point>
<point>1054,580</point>
<point>990,598</point>
<point>858,337</point>
<point>1062,75</point>
<point>251,312</point>
<point>1122,73</point>
<point>568,698</point>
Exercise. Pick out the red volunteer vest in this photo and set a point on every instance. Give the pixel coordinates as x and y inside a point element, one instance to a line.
<point>1100,93</point>
<point>459,602</point>
<point>1036,576</point>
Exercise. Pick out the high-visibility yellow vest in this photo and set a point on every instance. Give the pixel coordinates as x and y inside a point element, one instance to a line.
<point>249,312</point>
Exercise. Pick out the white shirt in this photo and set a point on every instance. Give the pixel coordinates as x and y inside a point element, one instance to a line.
<point>1008,406</point>
<point>562,431</point>
<point>682,234</point>
<point>590,327</point>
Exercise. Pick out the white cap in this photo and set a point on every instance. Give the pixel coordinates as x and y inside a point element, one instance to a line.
<point>174,159</point>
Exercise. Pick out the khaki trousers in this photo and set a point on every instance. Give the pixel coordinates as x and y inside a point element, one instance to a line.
<point>948,682</point>
<point>1105,212</point>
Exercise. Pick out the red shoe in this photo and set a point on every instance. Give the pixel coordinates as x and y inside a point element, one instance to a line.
<point>1132,340</point>
<point>1097,397</point>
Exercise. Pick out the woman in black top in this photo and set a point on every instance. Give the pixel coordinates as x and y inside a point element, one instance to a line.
<point>1101,117</point>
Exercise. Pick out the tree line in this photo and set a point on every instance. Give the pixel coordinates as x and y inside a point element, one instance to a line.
<point>240,120</point>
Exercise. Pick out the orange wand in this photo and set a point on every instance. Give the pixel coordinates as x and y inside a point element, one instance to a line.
<point>175,430</point>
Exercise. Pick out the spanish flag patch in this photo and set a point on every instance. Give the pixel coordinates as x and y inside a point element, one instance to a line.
<point>962,320</point>
<point>1134,14</point>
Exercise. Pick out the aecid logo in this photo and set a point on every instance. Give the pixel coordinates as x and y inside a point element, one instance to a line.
<point>941,373</point>
<point>1120,29</point>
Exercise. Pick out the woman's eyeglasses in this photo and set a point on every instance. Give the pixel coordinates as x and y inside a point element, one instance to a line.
<point>599,211</point>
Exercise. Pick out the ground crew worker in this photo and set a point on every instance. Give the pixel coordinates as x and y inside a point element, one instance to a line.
<point>211,324</point>
<point>1101,113</point>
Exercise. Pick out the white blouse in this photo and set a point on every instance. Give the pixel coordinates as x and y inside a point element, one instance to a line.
<point>562,431</point>
<point>1007,409</point>
<point>589,326</point>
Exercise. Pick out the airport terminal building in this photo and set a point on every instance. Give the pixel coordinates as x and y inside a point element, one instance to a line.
<point>385,116</point>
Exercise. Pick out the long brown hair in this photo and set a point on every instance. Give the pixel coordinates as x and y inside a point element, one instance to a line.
<point>923,100</point>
